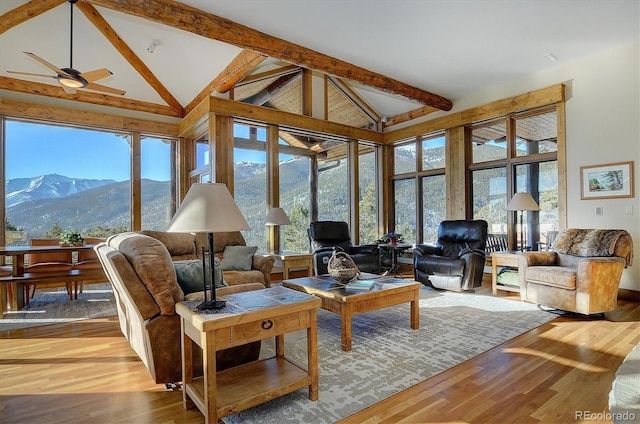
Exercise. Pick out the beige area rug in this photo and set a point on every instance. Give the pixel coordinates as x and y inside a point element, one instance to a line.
<point>624,398</point>
<point>52,306</point>
<point>388,357</point>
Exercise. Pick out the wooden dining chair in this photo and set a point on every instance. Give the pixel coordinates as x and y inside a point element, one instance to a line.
<point>48,262</point>
<point>87,259</point>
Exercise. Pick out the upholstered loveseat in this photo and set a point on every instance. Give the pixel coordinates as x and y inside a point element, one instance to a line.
<point>186,246</point>
<point>580,274</point>
<point>142,273</point>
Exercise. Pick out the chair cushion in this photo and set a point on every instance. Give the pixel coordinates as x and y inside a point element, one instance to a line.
<point>555,276</point>
<point>190,274</point>
<point>238,258</point>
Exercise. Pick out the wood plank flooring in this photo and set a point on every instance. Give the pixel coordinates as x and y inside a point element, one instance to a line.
<point>85,372</point>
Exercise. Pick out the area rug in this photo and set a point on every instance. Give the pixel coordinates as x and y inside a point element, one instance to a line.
<point>388,357</point>
<point>52,306</point>
<point>624,398</point>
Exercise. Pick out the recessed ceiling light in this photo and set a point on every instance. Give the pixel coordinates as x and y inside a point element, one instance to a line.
<point>550,57</point>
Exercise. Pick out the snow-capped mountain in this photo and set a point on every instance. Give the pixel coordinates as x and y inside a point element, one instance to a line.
<point>51,186</point>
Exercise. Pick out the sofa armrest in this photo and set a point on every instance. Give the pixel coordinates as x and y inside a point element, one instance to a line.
<point>264,264</point>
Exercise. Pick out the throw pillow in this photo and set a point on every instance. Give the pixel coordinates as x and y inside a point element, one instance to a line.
<point>238,258</point>
<point>189,274</point>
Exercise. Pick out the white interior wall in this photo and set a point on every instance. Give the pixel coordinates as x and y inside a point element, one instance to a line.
<point>603,126</point>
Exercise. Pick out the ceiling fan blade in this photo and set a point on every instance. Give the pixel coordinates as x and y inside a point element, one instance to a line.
<point>31,75</point>
<point>45,63</point>
<point>92,76</point>
<point>104,88</point>
<point>68,90</point>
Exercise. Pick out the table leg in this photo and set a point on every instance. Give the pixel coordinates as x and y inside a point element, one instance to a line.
<point>187,367</point>
<point>494,276</point>
<point>280,345</point>
<point>346,327</point>
<point>209,371</point>
<point>415,311</point>
<point>312,352</point>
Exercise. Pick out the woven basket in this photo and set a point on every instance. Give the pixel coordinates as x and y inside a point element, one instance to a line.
<point>342,267</point>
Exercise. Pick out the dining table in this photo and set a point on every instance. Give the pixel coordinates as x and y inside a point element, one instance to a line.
<point>12,286</point>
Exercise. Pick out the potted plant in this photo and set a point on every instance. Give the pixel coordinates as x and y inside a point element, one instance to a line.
<point>71,238</point>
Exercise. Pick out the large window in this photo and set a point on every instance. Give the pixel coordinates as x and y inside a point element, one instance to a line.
<point>368,194</point>
<point>295,171</point>
<point>62,178</point>
<point>507,162</point>
<point>155,171</point>
<point>420,196</point>
<point>250,181</point>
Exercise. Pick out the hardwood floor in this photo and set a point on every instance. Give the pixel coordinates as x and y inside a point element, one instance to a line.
<point>85,372</point>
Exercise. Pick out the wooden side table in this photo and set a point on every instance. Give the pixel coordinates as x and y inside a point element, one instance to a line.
<point>291,260</point>
<point>271,312</point>
<point>499,260</point>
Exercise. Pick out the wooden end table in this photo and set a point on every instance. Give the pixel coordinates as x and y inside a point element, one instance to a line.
<point>290,260</point>
<point>247,317</point>
<point>335,298</point>
<point>499,260</point>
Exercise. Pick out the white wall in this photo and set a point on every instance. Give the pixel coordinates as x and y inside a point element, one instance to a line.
<point>603,126</point>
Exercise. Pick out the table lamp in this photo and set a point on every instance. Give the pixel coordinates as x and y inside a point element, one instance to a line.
<point>277,217</point>
<point>522,202</point>
<point>208,208</point>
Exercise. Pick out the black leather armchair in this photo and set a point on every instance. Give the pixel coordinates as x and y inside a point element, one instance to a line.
<point>456,262</point>
<point>325,236</point>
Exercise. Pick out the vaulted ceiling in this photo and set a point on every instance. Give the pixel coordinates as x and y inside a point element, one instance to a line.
<point>398,59</point>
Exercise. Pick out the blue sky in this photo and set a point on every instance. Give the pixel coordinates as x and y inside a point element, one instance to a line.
<point>34,149</point>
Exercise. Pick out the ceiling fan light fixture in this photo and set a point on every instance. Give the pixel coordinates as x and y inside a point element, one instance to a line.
<point>71,83</point>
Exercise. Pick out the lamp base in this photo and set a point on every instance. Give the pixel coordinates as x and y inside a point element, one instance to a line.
<point>208,305</point>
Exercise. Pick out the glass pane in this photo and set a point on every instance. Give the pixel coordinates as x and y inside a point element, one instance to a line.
<point>489,143</point>
<point>537,134</point>
<point>367,198</point>
<point>433,153</point>
<point>405,209</point>
<point>490,198</point>
<point>250,183</point>
<point>202,153</point>
<point>66,185</point>
<point>404,159</point>
<point>295,172</point>
<point>434,206</point>
<point>541,181</point>
<point>155,170</point>
<point>333,198</point>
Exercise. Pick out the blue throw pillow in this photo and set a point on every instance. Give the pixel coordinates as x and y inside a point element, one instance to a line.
<point>189,275</point>
<point>238,258</point>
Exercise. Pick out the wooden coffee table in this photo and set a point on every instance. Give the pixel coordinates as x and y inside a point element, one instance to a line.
<point>385,293</point>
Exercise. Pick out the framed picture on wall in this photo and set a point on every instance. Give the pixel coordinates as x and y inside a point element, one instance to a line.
<point>608,181</point>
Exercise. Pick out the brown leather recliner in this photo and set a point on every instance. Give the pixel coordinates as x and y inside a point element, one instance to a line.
<point>580,274</point>
<point>141,271</point>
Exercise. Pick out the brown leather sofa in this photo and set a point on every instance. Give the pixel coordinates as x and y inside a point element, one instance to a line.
<point>580,274</point>
<point>141,271</point>
<point>185,246</point>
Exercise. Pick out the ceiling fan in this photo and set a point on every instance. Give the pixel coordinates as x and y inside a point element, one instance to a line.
<point>69,78</point>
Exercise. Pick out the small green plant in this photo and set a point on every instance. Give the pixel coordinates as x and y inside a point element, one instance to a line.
<point>71,238</point>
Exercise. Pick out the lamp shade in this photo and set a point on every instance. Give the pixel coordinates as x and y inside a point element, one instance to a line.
<point>208,207</point>
<point>277,216</point>
<point>522,202</point>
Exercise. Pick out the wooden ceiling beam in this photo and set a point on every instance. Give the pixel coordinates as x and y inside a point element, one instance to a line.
<point>205,24</point>
<point>408,116</point>
<point>236,70</point>
<point>25,12</point>
<point>85,96</point>
<point>110,34</point>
